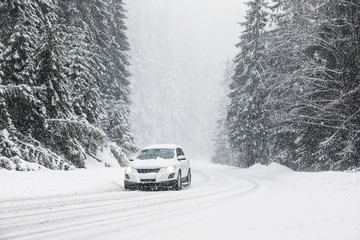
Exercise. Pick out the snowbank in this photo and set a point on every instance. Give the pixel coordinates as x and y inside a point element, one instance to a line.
<point>328,179</point>
<point>273,168</point>
<point>51,183</point>
<point>103,158</point>
<point>262,202</point>
<point>100,179</point>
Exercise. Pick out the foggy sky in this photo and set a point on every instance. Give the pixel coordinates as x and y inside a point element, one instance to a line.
<point>201,34</point>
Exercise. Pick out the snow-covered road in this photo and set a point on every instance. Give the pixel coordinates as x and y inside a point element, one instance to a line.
<point>223,203</point>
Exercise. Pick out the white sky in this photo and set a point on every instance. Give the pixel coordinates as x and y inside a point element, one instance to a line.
<point>211,25</point>
<point>199,33</point>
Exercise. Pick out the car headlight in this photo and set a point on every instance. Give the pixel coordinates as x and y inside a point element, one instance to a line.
<point>169,169</point>
<point>129,169</point>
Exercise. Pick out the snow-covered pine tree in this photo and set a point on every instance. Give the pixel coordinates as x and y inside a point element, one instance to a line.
<point>1,61</point>
<point>56,74</point>
<point>338,48</point>
<point>314,81</point>
<point>50,74</point>
<point>19,35</point>
<point>21,111</point>
<point>291,85</point>
<point>223,152</point>
<point>68,134</point>
<point>117,124</point>
<point>247,120</point>
<point>85,92</point>
<point>107,86</point>
<point>117,49</point>
<point>97,17</point>
<point>78,63</point>
<point>4,115</point>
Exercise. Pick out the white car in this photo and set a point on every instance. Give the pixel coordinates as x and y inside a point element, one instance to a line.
<point>158,165</point>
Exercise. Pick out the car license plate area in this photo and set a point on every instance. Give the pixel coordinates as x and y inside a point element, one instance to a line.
<point>147,180</point>
<point>148,177</point>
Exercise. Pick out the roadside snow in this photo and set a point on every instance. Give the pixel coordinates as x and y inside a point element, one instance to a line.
<point>262,202</point>
<point>51,183</point>
<point>104,158</point>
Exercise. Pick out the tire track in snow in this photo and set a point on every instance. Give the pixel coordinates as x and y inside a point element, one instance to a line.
<point>28,219</point>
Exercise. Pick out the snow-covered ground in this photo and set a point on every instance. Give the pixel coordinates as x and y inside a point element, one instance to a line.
<point>259,203</point>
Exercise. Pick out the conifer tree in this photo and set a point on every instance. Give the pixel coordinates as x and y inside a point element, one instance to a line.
<point>246,118</point>
<point>64,87</point>
<point>338,49</point>
<point>19,38</point>
<point>118,124</point>
<point>22,112</point>
<point>78,64</point>
<point>1,62</point>
<point>223,152</point>
<point>314,59</point>
<point>50,73</point>
<point>291,81</point>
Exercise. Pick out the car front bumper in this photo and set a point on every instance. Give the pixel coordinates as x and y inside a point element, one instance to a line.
<point>143,178</point>
<point>152,184</point>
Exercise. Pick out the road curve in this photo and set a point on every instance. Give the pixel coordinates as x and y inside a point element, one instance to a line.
<point>121,214</point>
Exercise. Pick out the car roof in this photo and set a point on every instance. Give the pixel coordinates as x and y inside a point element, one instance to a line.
<point>173,146</point>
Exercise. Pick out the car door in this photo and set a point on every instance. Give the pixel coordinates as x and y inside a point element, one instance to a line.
<point>184,163</point>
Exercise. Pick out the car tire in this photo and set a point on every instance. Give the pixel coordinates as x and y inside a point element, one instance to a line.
<point>126,186</point>
<point>178,184</point>
<point>188,178</point>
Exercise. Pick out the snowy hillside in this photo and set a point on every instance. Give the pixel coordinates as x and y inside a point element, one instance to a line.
<point>262,202</point>
<point>64,87</point>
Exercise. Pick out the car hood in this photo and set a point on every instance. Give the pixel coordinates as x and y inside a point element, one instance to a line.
<point>153,163</point>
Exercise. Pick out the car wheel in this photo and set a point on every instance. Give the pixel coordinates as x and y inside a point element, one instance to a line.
<point>188,179</point>
<point>126,186</point>
<point>178,184</point>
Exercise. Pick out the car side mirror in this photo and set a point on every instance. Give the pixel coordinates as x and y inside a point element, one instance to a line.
<point>181,158</point>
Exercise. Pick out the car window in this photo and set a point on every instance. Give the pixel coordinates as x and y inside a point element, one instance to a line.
<point>179,152</point>
<point>163,153</point>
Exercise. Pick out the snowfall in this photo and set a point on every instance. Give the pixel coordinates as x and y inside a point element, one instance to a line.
<point>262,202</point>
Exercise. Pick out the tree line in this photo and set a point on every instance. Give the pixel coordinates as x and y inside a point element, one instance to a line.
<point>294,92</point>
<point>64,81</point>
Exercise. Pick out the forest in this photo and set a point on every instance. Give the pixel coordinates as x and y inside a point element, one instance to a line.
<point>64,83</point>
<point>293,90</point>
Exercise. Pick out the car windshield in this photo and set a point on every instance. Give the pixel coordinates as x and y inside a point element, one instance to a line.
<point>163,153</point>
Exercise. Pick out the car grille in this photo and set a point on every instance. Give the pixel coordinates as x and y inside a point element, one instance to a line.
<point>155,170</point>
<point>147,180</point>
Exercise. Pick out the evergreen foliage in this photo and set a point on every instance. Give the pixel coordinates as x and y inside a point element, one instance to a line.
<point>296,85</point>
<point>223,151</point>
<point>246,114</point>
<point>117,124</point>
<point>64,88</point>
